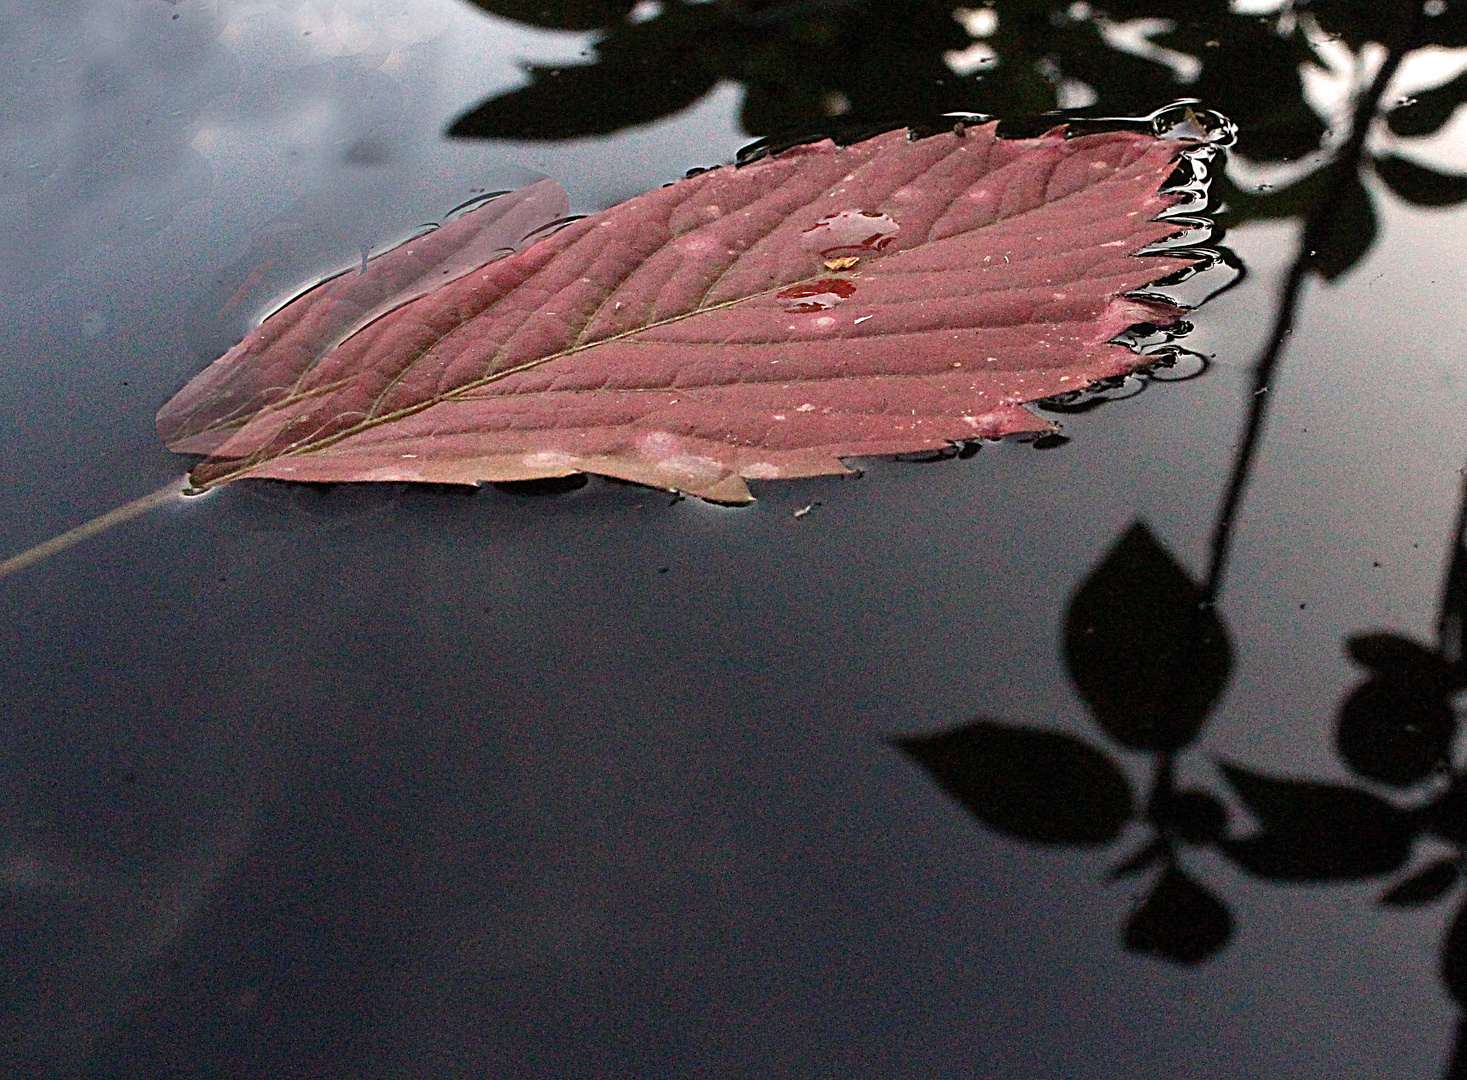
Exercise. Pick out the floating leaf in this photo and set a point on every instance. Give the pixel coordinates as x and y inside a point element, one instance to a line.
<point>1036,785</point>
<point>671,341</point>
<point>293,341</point>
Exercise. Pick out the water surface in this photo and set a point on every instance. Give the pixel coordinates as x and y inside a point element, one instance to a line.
<point>412,783</point>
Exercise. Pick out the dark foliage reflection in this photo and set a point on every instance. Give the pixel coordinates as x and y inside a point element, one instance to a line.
<point>1149,656</point>
<point>1148,653</point>
<point>847,67</point>
<point>1144,643</point>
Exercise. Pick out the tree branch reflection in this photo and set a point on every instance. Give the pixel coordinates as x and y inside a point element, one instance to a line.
<point>1148,652</point>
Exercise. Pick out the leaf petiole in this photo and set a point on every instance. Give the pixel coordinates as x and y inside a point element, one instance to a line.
<point>174,489</point>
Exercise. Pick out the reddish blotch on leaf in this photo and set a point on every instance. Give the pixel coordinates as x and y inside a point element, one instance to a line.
<point>757,322</point>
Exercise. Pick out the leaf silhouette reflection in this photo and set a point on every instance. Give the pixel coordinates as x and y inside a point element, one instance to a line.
<point>848,67</point>
<point>1147,650</point>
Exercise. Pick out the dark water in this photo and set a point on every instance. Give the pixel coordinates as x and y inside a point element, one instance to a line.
<point>411,783</point>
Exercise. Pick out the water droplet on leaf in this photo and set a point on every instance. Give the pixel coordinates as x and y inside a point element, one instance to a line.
<point>817,295</point>
<point>850,232</point>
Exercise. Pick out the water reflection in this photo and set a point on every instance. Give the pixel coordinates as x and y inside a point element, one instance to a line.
<point>848,67</point>
<point>512,788</point>
<point>1147,651</point>
<point>1149,656</point>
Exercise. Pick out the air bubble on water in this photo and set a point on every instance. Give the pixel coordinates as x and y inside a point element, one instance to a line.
<point>1176,364</point>
<point>1185,119</point>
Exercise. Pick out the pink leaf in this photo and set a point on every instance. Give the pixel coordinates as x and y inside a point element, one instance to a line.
<point>287,345</point>
<point>757,322</point>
